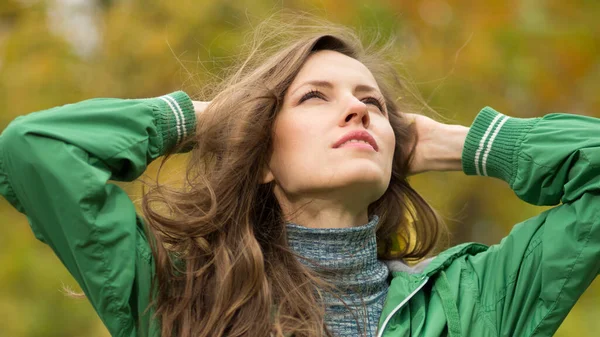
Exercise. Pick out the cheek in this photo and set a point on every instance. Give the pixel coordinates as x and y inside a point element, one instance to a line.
<point>387,136</point>
<point>392,139</point>
<point>295,145</point>
<point>298,135</point>
<point>389,139</point>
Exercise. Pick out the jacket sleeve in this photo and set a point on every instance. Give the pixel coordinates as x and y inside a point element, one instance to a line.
<point>529,282</point>
<point>54,168</point>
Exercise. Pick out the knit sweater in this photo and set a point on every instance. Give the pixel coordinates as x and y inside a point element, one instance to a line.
<point>352,254</point>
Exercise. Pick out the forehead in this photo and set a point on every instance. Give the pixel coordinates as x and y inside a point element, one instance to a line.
<point>336,67</point>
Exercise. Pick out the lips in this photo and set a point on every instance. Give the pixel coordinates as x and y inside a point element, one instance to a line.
<point>358,135</point>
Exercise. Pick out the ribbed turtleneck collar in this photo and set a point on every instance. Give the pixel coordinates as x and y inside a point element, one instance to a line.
<point>351,253</point>
<point>344,249</point>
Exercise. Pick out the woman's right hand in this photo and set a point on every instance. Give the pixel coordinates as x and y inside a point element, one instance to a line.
<point>199,107</point>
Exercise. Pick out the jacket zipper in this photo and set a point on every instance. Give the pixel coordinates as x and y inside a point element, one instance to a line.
<point>387,319</point>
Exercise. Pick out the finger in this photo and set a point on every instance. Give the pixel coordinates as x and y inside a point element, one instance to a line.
<point>410,117</point>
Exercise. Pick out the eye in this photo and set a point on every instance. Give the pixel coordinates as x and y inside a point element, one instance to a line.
<point>312,94</point>
<point>374,101</point>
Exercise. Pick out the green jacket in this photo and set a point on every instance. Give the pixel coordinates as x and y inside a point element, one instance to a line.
<point>55,165</point>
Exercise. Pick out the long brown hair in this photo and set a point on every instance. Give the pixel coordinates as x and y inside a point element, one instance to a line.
<point>223,264</point>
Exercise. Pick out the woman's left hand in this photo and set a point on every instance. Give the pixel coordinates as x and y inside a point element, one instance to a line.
<point>439,146</point>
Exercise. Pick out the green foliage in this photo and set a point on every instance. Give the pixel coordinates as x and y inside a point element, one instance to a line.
<point>525,60</point>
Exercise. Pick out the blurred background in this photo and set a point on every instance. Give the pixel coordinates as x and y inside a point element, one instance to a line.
<point>524,58</point>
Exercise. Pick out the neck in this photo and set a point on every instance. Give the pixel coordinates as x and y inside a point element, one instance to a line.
<point>324,214</point>
<point>334,208</point>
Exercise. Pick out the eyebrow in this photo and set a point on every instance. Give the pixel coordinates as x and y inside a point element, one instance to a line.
<point>326,84</point>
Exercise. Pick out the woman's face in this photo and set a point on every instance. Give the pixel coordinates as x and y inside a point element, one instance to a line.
<point>332,95</point>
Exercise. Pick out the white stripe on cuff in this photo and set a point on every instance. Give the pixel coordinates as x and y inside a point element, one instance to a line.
<point>181,115</point>
<point>489,146</point>
<point>178,122</point>
<point>482,143</point>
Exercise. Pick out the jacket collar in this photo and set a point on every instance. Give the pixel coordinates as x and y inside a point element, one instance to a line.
<point>436,263</point>
<point>400,266</point>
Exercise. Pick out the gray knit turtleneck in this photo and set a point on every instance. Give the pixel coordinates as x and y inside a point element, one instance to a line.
<point>352,254</point>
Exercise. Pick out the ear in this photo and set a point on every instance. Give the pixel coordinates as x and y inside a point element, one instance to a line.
<point>267,175</point>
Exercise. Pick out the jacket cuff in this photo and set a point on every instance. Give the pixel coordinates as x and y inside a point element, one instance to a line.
<point>175,120</point>
<point>491,147</point>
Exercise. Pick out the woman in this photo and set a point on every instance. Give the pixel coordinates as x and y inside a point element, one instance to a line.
<point>296,216</point>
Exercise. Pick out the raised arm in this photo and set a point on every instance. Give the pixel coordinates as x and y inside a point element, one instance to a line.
<point>529,282</point>
<point>54,168</point>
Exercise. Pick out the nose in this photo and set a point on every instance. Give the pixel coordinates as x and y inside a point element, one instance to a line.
<point>356,112</point>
